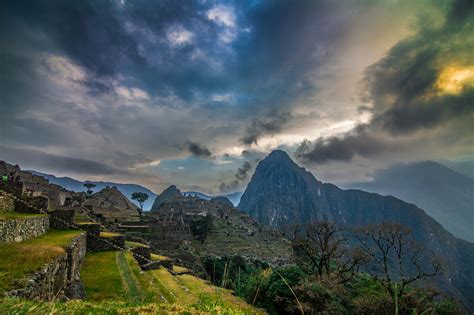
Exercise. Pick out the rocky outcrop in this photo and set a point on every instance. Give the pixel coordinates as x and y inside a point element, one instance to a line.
<point>59,279</point>
<point>281,193</point>
<point>110,197</point>
<point>166,195</point>
<point>112,205</point>
<point>23,228</point>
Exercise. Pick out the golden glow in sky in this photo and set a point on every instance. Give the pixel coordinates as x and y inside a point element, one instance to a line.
<point>452,80</point>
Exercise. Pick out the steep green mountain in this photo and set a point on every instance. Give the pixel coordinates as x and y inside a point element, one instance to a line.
<point>281,193</point>
<point>446,195</point>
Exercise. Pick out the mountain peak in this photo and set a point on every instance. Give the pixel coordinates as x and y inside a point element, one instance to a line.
<point>278,155</point>
<point>168,194</point>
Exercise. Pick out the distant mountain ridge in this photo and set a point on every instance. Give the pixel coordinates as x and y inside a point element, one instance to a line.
<point>78,186</point>
<point>446,195</point>
<point>281,193</point>
<point>126,189</point>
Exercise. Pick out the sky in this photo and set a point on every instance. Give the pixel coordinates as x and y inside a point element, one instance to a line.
<point>195,93</point>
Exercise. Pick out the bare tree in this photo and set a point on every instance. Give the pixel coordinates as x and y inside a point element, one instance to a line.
<point>323,251</point>
<point>397,256</point>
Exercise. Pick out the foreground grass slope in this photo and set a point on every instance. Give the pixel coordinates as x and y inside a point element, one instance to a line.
<point>115,281</point>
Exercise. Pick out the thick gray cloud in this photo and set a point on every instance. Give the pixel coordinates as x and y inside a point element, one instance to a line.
<point>198,150</point>
<point>56,163</point>
<point>341,148</point>
<point>127,84</point>
<point>417,87</point>
<point>268,125</point>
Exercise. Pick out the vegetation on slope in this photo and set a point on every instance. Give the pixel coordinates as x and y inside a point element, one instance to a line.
<point>116,276</point>
<point>18,260</point>
<point>326,277</point>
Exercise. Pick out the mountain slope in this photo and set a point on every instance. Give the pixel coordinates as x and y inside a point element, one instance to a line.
<point>281,193</point>
<point>78,186</point>
<point>446,195</point>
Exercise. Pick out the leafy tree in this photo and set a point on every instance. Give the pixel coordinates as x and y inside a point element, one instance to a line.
<point>200,227</point>
<point>397,256</point>
<point>90,188</point>
<point>141,197</point>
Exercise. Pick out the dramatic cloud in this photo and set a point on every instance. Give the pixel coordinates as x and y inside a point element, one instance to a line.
<point>199,150</point>
<point>426,82</point>
<point>269,125</point>
<point>127,84</point>
<point>240,176</point>
<point>340,148</point>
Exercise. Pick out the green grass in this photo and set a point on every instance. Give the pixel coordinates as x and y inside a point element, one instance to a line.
<point>17,215</point>
<point>180,269</point>
<point>101,277</point>
<point>17,306</point>
<point>158,257</point>
<point>86,223</point>
<point>18,260</point>
<point>116,276</point>
<point>129,280</point>
<point>130,244</point>
<point>109,234</point>
<point>153,290</point>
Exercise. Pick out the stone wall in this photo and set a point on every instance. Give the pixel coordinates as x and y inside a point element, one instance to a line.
<point>99,244</point>
<point>6,202</point>
<point>62,219</point>
<point>17,230</point>
<point>59,279</point>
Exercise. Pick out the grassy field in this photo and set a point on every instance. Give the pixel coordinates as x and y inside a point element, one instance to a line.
<point>116,276</point>
<point>101,277</point>
<point>18,260</point>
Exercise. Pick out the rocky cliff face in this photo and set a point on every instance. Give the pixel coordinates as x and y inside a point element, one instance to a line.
<point>446,195</point>
<point>281,193</point>
<point>166,195</point>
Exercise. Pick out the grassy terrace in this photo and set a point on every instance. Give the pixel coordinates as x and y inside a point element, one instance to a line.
<point>101,276</point>
<point>18,260</point>
<point>109,234</point>
<point>4,216</point>
<point>117,277</point>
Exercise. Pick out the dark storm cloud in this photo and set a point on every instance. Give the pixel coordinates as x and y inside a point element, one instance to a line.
<point>407,91</point>
<point>340,148</point>
<point>41,160</point>
<point>239,178</point>
<point>273,45</point>
<point>198,150</point>
<point>269,125</point>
